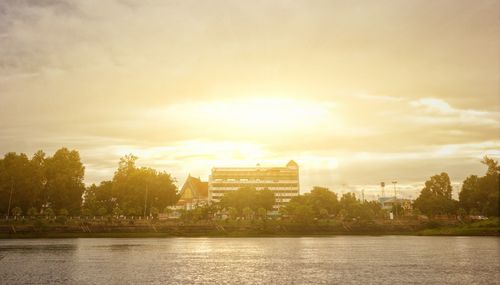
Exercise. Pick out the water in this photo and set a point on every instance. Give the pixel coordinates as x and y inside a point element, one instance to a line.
<point>322,260</point>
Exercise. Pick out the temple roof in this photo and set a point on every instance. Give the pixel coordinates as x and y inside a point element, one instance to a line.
<point>199,189</point>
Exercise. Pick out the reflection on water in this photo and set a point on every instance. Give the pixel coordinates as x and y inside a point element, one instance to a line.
<point>344,259</point>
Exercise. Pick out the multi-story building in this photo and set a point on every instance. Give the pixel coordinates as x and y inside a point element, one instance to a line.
<point>283,181</point>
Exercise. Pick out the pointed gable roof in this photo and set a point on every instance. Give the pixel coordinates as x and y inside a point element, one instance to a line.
<point>292,163</point>
<point>198,188</point>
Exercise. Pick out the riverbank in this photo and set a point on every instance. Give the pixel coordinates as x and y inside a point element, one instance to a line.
<point>149,228</point>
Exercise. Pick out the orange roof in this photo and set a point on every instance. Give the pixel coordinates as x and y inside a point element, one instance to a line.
<point>199,189</point>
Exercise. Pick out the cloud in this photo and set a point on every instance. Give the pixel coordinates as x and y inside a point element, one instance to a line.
<point>357,93</point>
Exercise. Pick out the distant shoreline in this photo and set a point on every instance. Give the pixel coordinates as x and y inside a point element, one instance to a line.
<point>242,229</point>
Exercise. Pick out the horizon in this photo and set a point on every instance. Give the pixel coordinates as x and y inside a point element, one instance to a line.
<point>390,90</point>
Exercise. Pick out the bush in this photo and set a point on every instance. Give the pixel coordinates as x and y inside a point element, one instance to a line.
<point>61,220</point>
<point>17,211</point>
<point>63,212</point>
<point>433,224</point>
<point>32,212</point>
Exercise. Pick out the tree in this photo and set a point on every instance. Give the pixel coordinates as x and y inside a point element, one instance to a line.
<point>323,198</point>
<point>303,214</point>
<point>64,174</point>
<point>102,211</point>
<point>265,199</point>
<point>63,212</point>
<point>350,204</point>
<point>86,212</point>
<point>248,213</point>
<point>299,209</point>
<point>101,196</point>
<point>17,211</point>
<point>48,212</point>
<point>232,213</point>
<point>248,197</point>
<point>155,212</point>
<point>142,188</point>
<point>117,211</point>
<point>262,213</point>
<point>240,199</point>
<point>32,212</point>
<point>481,194</point>
<point>21,181</point>
<point>435,197</point>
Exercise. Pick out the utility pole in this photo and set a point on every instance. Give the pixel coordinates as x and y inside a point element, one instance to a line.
<point>395,197</point>
<point>10,196</point>
<point>146,199</point>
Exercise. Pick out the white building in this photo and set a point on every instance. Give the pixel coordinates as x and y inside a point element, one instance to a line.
<point>283,181</point>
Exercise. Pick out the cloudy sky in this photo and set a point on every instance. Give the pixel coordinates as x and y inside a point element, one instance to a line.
<point>357,92</point>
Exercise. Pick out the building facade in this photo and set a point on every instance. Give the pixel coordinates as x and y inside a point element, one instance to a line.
<point>194,193</point>
<point>283,181</point>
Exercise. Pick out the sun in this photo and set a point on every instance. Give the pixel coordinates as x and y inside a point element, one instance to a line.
<point>266,114</point>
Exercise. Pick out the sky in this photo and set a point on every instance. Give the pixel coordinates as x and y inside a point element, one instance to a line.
<point>357,92</point>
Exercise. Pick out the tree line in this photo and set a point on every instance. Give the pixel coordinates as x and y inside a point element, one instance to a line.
<point>53,185</point>
<point>478,195</point>
<point>50,185</point>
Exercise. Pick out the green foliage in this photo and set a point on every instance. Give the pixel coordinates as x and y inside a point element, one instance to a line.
<point>32,212</point>
<point>61,220</point>
<point>248,213</point>
<point>232,213</point>
<point>101,196</point>
<point>202,213</point>
<point>133,211</point>
<point>63,212</point>
<point>262,213</point>
<point>64,180</point>
<point>48,212</point>
<point>321,203</point>
<point>17,211</point>
<point>135,187</point>
<point>323,198</point>
<point>21,181</point>
<point>102,211</point>
<point>461,212</point>
<point>435,197</point>
<point>86,212</point>
<point>248,198</point>
<point>303,214</point>
<point>265,199</point>
<point>117,211</point>
<point>480,195</point>
<point>154,212</point>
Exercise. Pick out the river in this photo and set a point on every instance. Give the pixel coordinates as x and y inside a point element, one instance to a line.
<point>308,260</point>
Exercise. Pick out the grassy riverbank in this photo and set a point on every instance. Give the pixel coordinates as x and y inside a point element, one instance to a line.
<point>145,228</point>
<point>482,228</point>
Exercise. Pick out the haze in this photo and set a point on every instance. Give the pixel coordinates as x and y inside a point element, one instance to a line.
<point>355,92</point>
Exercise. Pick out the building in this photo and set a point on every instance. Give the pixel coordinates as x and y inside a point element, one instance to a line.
<point>283,181</point>
<point>193,193</point>
<point>387,203</point>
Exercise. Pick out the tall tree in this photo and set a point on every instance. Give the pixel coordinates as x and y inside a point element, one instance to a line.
<point>142,188</point>
<point>101,196</point>
<point>64,186</point>
<point>21,182</point>
<point>481,194</point>
<point>435,197</point>
<point>265,199</point>
<point>323,198</point>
